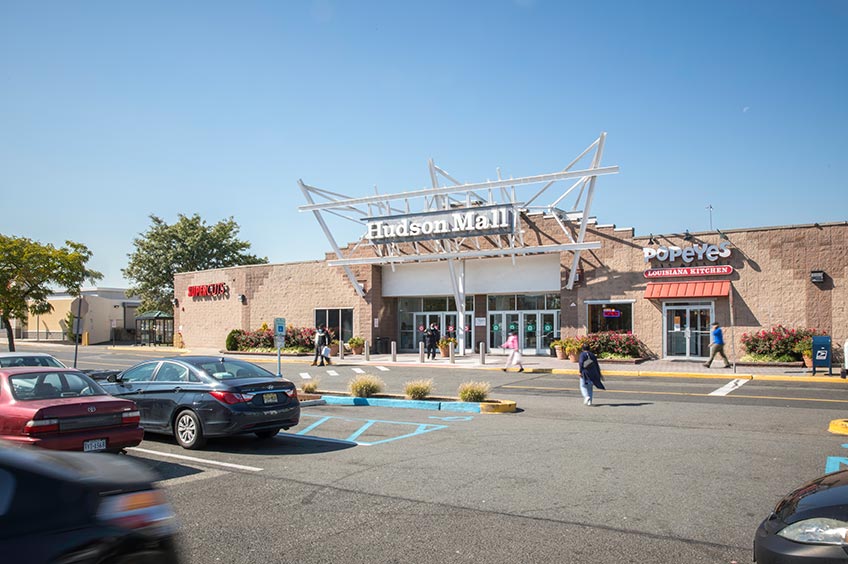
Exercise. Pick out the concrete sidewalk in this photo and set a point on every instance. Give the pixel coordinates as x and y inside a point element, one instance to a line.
<point>496,361</point>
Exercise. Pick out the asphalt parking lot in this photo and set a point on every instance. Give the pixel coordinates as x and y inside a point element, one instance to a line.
<point>659,470</point>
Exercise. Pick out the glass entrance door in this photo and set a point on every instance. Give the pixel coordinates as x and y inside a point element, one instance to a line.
<point>446,323</point>
<point>536,330</point>
<point>687,330</point>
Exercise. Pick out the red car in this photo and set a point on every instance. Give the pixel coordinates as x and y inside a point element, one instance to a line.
<point>63,409</point>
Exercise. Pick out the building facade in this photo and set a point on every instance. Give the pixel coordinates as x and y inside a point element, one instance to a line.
<point>665,289</point>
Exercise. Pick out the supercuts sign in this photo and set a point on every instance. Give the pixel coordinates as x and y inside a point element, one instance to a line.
<point>484,220</point>
<point>688,254</point>
<point>218,289</point>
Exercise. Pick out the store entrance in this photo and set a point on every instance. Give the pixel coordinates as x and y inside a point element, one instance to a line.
<point>446,322</point>
<point>536,329</point>
<point>687,330</point>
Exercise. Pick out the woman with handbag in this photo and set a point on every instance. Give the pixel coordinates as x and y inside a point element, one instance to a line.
<point>515,354</point>
<point>590,374</point>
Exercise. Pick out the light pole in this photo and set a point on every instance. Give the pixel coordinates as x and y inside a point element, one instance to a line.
<point>710,208</point>
<point>78,322</point>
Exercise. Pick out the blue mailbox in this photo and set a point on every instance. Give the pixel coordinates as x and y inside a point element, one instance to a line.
<point>822,354</point>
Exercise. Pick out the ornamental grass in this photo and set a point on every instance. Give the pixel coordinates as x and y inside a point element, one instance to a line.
<point>418,389</point>
<point>474,391</point>
<point>365,385</point>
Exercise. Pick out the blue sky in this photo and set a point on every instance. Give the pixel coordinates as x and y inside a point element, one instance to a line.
<point>112,111</point>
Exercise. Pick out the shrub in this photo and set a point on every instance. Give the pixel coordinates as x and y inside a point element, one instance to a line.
<point>444,342</point>
<point>310,386</point>
<point>356,341</point>
<point>474,391</point>
<point>779,342</point>
<point>365,385</point>
<point>616,344</point>
<point>418,389</point>
<point>232,342</point>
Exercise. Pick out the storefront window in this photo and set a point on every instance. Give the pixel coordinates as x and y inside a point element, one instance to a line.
<point>409,304</point>
<point>338,321</point>
<point>552,301</point>
<point>434,304</point>
<point>610,317</point>
<point>531,302</point>
<point>502,303</point>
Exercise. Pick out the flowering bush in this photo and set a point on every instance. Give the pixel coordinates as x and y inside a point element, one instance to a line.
<point>298,338</point>
<point>616,344</point>
<point>779,342</point>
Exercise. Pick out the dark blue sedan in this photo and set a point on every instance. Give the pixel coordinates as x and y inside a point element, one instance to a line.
<point>197,397</point>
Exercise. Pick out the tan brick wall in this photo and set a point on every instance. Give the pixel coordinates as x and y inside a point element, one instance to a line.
<point>771,285</point>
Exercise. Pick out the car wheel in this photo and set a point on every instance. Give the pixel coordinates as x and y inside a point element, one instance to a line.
<point>267,433</point>
<point>188,431</point>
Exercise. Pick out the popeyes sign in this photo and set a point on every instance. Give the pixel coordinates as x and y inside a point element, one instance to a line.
<point>218,289</point>
<point>688,254</point>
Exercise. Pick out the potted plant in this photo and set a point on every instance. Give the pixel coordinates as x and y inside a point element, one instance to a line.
<point>356,344</point>
<point>571,347</point>
<point>444,343</point>
<point>559,348</point>
<point>804,347</point>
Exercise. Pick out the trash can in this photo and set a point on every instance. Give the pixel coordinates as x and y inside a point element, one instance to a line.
<point>383,345</point>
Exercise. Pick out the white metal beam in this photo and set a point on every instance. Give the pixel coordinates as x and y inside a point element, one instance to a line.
<point>467,254</point>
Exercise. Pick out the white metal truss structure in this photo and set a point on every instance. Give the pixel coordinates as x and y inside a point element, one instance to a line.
<point>456,197</point>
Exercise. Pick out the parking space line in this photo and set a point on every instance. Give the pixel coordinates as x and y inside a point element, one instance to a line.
<point>358,370</point>
<point>305,376</point>
<point>204,475</point>
<point>332,373</point>
<point>306,430</point>
<point>194,459</point>
<point>729,387</point>
<point>382,369</point>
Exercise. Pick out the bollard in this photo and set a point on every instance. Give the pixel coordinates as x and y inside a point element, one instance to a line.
<point>482,348</point>
<point>394,351</point>
<point>450,353</point>
<point>367,351</point>
<point>421,353</point>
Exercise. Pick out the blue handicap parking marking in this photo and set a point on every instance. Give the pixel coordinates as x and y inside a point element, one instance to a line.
<point>405,429</point>
<point>836,463</point>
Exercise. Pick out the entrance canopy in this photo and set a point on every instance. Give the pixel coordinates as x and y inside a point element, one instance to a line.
<point>669,290</point>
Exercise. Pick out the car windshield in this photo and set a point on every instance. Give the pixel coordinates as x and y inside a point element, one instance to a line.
<point>227,369</point>
<point>29,360</point>
<point>51,385</point>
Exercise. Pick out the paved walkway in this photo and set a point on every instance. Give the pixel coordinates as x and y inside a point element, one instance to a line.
<point>668,368</point>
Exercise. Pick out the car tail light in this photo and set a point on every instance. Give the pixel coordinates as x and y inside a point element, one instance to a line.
<point>146,511</point>
<point>230,398</point>
<point>291,392</point>
<point>131,417</point>
<point>39,426</point>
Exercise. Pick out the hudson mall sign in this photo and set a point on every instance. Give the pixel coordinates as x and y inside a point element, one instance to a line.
<point>485,220</point>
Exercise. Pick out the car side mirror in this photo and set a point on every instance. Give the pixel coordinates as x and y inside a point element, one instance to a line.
<point>113,378</point>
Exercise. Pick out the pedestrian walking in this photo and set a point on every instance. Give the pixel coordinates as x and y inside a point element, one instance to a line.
<point>322,346</point>
<point>431,341</point>
<point>514,357</point>
<point>590,374</point>
<point>717,345</point>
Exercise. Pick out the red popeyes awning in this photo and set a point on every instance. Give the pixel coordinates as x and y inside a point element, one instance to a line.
<point>657,291</point>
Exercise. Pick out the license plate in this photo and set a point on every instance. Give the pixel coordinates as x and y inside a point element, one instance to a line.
<point>269,398</point>
<point>95,444</point>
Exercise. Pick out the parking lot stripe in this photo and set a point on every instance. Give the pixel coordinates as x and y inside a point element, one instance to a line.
<point>332,373</point>
<point>198,460</point>
<point>304,431</point>
<point>205,475</point>
<point>382,369</point>
<point>305,376</point>
<point>729,387</point>
<point>358,370</point>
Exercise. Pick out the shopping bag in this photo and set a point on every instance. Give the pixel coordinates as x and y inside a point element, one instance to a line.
<point>325,352</point>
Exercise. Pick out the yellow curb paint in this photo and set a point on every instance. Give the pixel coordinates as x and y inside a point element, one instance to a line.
<point>503,406</point>
<point>838,427</point>
<point>691,394</point>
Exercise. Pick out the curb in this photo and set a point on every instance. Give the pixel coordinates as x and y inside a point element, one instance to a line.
<point>492,406</point>
<point>838,427</point>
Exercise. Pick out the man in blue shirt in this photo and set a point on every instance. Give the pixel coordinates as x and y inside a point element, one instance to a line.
<point>717,346</point>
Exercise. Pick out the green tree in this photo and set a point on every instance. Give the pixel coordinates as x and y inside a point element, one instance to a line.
<point>186,246</point>
<point>29,271</point>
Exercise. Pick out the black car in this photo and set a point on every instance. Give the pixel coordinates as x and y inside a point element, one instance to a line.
<point>197,397</point>
<point>810,525</point>
<point>81,508</point>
